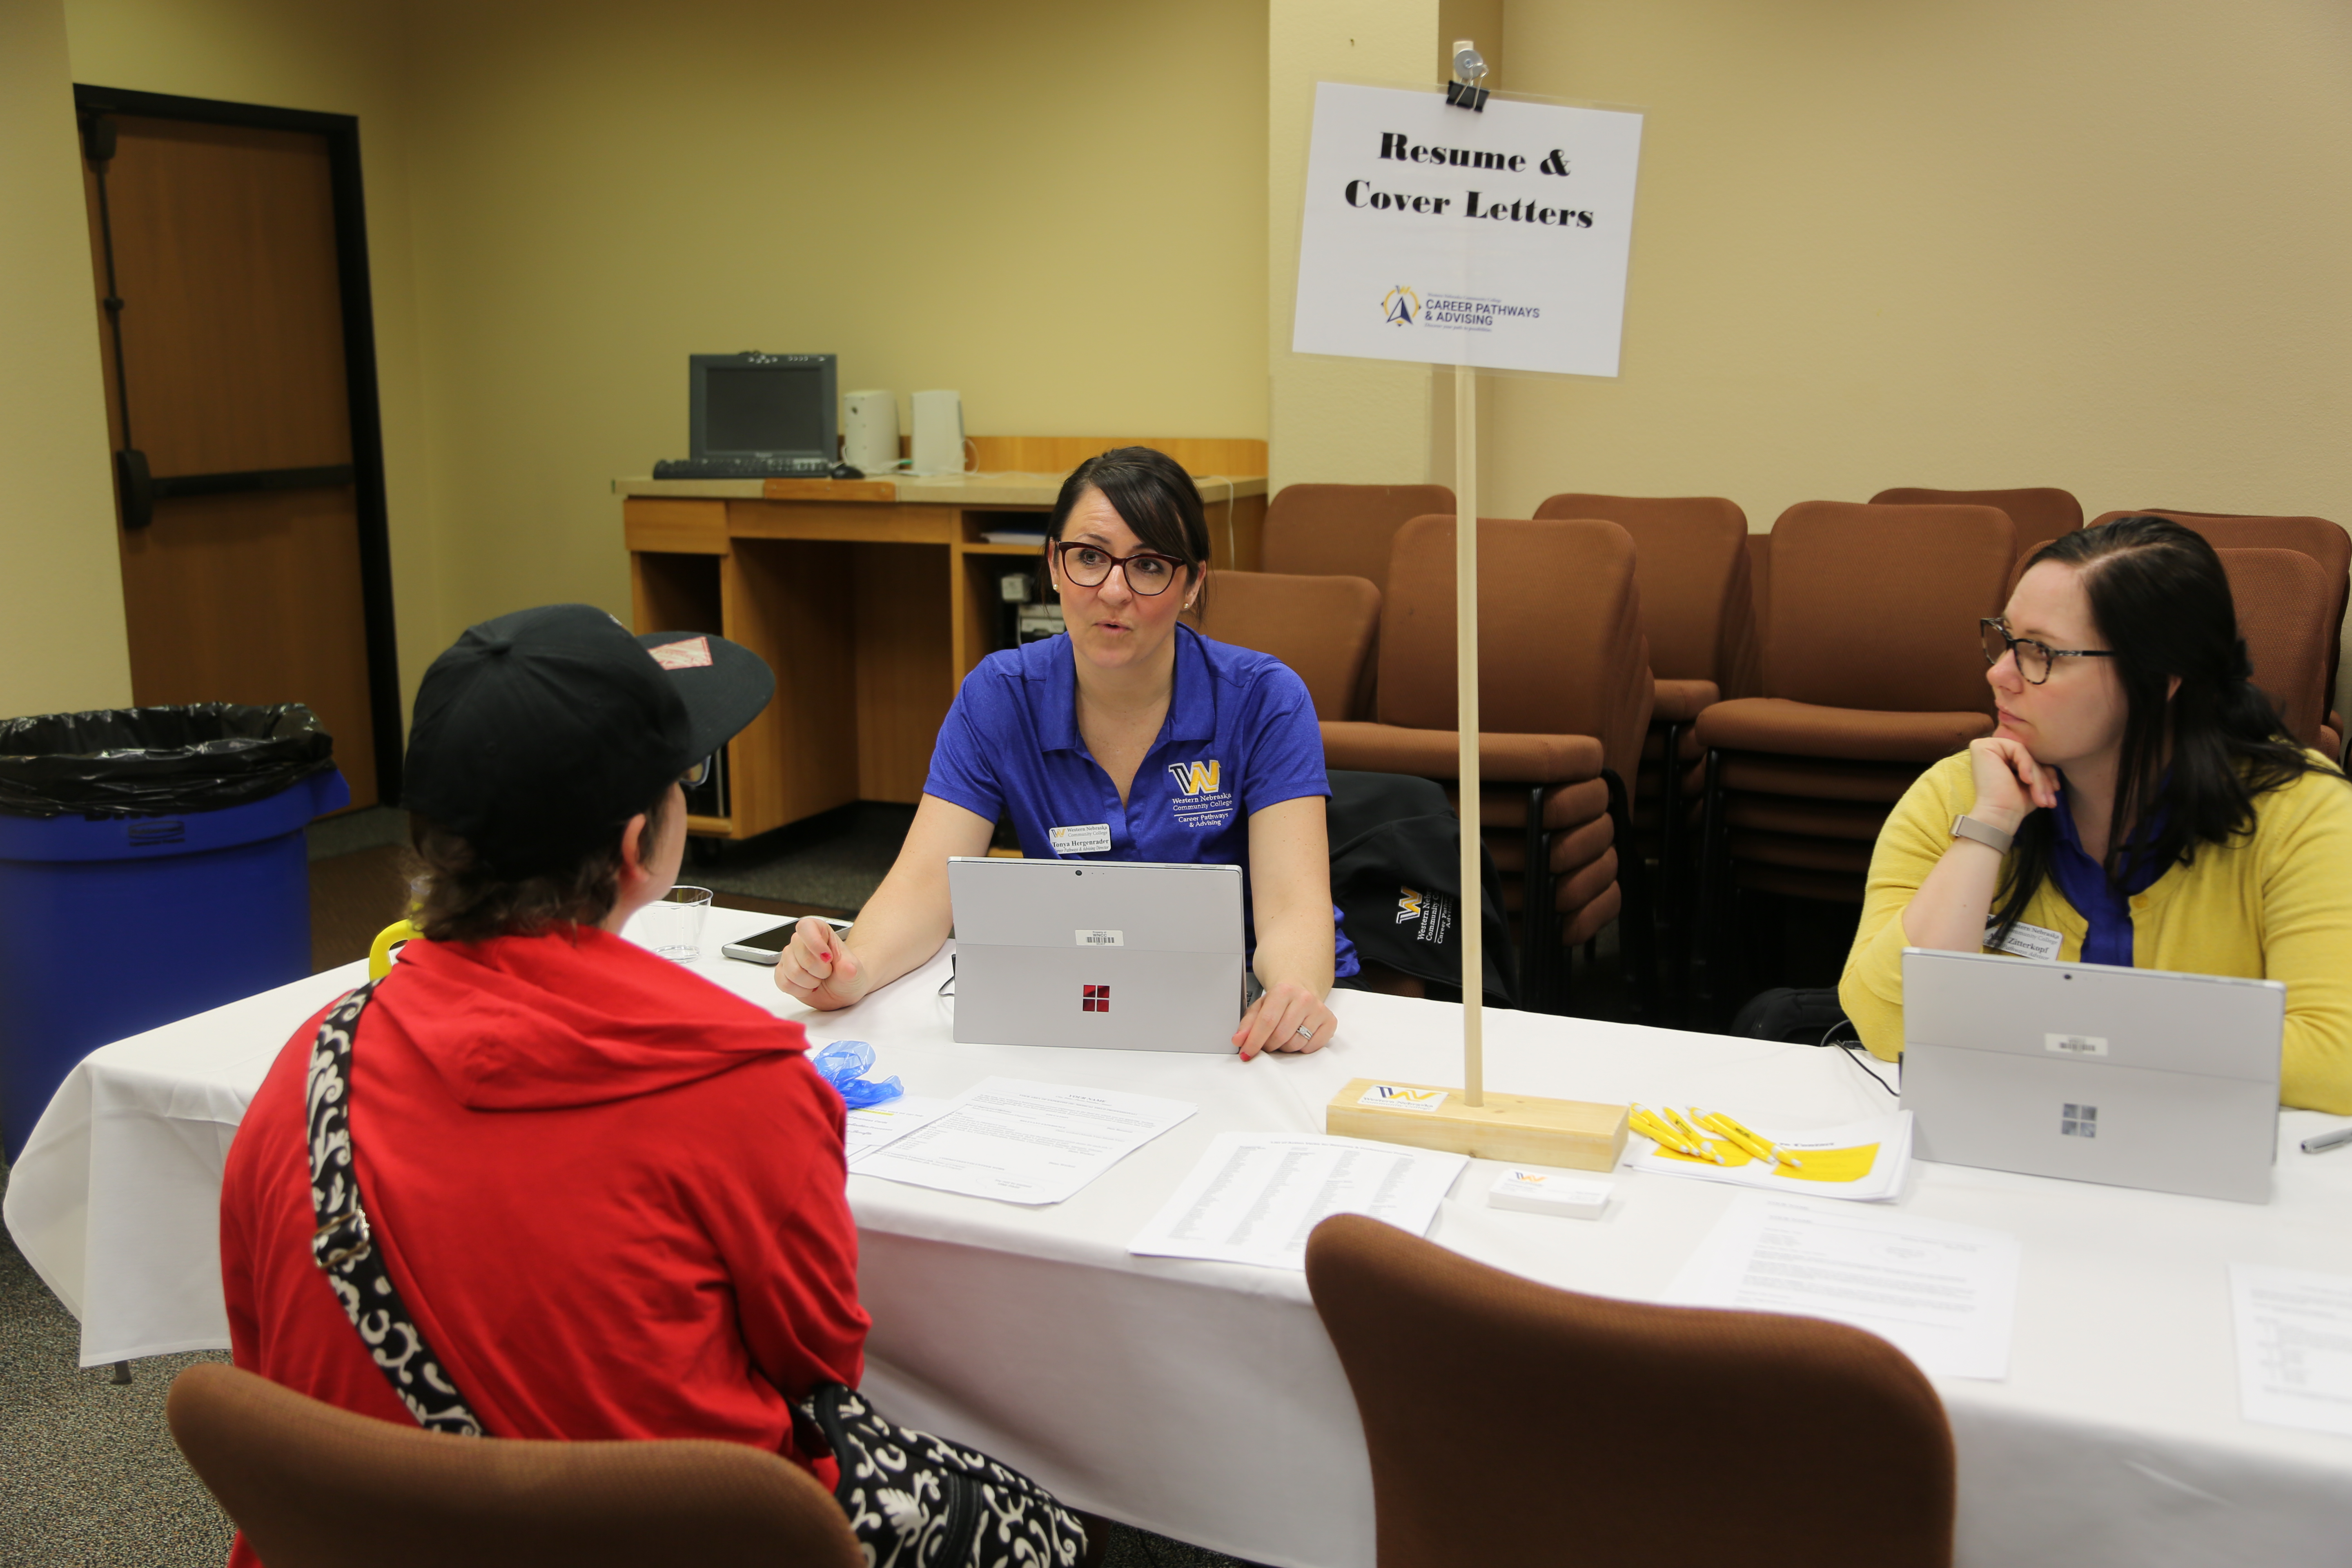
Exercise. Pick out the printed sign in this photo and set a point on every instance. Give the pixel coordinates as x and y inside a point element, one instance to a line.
<point>1497,240</point>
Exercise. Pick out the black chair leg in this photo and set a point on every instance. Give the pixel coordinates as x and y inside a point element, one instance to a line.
<point>1674,873</point>
<point>1635,924</point>
<point>1713,874</point>
<point>1540,965</point>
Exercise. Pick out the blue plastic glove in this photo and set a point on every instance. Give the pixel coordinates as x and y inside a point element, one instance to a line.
<point>842,1064</point>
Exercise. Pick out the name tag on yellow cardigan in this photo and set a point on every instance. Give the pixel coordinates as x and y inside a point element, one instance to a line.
<point>2028,941</point>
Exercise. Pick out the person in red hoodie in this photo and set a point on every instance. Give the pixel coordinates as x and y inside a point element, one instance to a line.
<point>610,1194</point>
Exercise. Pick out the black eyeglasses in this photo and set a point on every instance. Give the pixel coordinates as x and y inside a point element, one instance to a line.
<point>1089,566</point>
<point>2034,659</point>
<point>698,775</point>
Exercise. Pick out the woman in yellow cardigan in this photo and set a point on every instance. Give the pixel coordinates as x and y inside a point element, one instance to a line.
<point>2137,804</point>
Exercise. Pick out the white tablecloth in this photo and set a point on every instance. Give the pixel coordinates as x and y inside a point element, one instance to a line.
<point>1203,1401</point>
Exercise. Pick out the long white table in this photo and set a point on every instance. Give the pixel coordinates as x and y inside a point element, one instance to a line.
<point>1202,1400</point>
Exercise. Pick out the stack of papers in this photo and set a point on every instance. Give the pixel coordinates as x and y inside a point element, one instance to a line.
<point>1255,1197</point>
<point>1020,1142</point>
<point>869,1128</point>
<point>2294,1347</point>
<point>1945,1294</point>
<point>1862,1160</point>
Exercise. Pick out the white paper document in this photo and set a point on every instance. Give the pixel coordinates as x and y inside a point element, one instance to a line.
<point>1862,1162</point>
<point>1945,1294</point>
<point>2294,1347</point>
<point>1255,1196</point>
<point>871,1128</point>
<point>1024,1142</point>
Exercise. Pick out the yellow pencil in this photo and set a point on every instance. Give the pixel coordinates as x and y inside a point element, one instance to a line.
<point>1697,1139</point>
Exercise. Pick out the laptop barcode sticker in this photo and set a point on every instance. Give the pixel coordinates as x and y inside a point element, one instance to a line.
<point>2075,1045</point>
<point>1102,939</point>
<point>1401,1097</point>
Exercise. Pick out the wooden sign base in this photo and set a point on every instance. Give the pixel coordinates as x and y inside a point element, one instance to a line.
<point>1519,1129</point>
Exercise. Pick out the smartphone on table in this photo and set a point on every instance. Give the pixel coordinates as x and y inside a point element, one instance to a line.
<point>769,945</point>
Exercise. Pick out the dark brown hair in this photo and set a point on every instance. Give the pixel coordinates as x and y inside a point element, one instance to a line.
<point>1152,495</point>
<point>2193,761</point>
<point>460,898</point>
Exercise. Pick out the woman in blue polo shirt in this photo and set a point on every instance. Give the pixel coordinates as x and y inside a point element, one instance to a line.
<point>1131,738</point>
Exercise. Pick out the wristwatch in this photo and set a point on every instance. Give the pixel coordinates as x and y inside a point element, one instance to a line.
<point>1992,837</point>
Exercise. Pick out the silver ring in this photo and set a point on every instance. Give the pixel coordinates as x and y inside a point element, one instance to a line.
<point>1305,1031</point>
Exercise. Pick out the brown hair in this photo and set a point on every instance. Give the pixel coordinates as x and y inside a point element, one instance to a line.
<point>461,898</point>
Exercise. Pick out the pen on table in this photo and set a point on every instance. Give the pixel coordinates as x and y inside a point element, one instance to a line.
<point>1664,1136</point>
<point>1755,1143</point>
<point>1694,1143</point>
<point>2319,1143</point>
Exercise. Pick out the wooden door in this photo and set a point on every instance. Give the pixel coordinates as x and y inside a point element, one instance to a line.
<point>247,585</point>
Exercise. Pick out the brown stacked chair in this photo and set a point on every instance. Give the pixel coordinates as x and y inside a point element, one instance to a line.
<point>1698,610</point>
<point>1542,1425</point>
<point>2324,541</point>
<point>2282,598</point>
<point>1564,702</point>
<point>315,1486</point>
<point>1344,531</point>
<point>2041,514</point>
<point>1872,670</point>
<point>1322,628</point>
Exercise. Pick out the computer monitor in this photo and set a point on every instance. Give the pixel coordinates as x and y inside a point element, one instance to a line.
<point>768,405</point>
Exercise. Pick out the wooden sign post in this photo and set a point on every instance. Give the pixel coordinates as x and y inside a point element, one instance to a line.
<point>1520,265</point>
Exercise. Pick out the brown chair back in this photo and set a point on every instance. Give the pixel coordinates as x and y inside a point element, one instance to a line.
<point>2281,600</point>
<point>2041,514</point>
<point>1509,1422</point>
<point>1343,531</point>
<point>1691,561</point>
<point>2324,541</point>
<point>1560,644</point>
<point>315,1486</point>
<point>1876,607</point>
<point>1322,628</point>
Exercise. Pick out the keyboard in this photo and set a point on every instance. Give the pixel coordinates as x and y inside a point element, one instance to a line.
<point>749,466</point>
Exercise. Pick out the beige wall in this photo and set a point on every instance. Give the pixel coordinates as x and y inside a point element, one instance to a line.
<point>61,644</point>
<point>1349,421</point>
<point>2100,245</point>
<point>343,59</point>
<point>1057,209</point>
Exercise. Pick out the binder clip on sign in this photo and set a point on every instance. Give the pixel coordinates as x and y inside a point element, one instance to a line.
<point>1469,70</point>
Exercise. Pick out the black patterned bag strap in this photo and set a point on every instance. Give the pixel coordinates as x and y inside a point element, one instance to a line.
<point>345,1249</point>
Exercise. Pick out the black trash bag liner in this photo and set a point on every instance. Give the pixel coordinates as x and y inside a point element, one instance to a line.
<point>154,761</point>
<point>1396,872</point>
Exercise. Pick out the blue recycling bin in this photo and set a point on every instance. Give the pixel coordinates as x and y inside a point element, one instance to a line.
<point>112,925</point>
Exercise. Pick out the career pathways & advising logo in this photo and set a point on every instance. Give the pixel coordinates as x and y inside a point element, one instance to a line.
<point>1201,800</point>
<point>1404,307</point>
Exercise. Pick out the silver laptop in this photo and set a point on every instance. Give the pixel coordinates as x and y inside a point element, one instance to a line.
<point>1134,955</point>
<point>2137,1077</point>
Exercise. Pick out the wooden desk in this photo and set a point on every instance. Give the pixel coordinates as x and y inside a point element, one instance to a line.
<point>871,600</point>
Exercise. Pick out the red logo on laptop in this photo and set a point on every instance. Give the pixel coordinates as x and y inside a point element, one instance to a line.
<point>1094,999</point>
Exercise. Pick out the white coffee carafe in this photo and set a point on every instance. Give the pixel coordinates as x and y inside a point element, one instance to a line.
<point>869,432</point>
<point>939,434</point>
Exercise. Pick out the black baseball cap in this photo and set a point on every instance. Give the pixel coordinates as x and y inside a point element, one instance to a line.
<point>537,735</point>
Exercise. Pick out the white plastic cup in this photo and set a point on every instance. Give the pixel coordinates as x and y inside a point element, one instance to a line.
<point>673,923</point>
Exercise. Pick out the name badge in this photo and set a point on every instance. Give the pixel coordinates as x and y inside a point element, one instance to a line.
<point>2029,942</point>
<point>1087,839</point>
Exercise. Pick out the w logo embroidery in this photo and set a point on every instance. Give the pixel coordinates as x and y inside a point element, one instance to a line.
<point>1195,778</point>
<point>1408,906</point>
